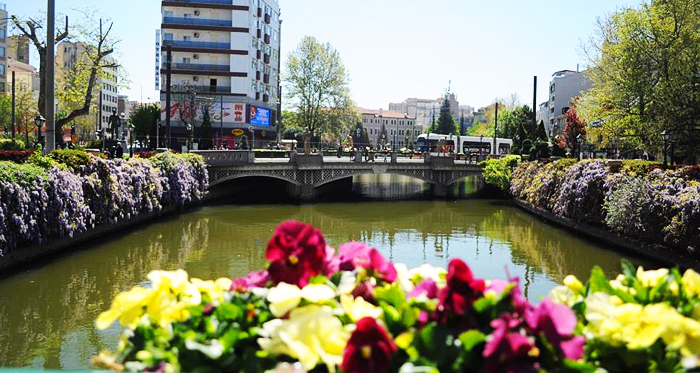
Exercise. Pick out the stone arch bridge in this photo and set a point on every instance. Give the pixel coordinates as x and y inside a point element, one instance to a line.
<point>309,172</point>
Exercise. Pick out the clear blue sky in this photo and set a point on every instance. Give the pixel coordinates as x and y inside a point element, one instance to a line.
<point>395,49</point>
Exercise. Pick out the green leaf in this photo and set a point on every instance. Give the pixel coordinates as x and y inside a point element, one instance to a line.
<point>392,295</point>
<point>471,339</point>
<point>228,311</point>
<point>628,269</point>
<point>318,280</point>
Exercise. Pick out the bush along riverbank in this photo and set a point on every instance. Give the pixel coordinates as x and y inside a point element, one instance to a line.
<point>638,200</point>
<point>313,310</point>
<point>71,192</point>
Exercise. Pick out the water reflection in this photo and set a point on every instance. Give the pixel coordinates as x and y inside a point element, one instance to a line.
<point>47,314</point>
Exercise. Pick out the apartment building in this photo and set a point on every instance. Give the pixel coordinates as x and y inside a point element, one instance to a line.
<point>3,47</point>
<point>71,56</point>
<point>397,125</point>
<point>419,108</point>
<point>425,110</point>
<point>225,56</point>
<point>564,87</point>
<point>18,48</point>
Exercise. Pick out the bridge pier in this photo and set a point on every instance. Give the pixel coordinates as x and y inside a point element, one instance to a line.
<point>306,193</point>
<point>439,190</point>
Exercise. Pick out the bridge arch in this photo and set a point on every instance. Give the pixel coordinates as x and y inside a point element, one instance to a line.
<point>330,177</point>
<point>263,174</point>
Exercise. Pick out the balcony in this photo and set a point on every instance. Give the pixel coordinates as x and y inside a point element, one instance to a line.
<point>226,2</point>
<point>196,44</point>
<point>198,67</point>
<point>200,89</point>
<point>197,21</point>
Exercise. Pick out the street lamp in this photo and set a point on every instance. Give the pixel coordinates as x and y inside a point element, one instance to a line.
<point>579,139</point>
<point>39,121</point>
<point>666,137</point>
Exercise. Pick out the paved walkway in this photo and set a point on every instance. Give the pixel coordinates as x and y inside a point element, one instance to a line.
<point>346,159</point>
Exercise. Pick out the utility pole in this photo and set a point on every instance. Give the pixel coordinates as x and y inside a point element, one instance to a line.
<point>168,73</point>
<point>13,104</point>
<point>495,131</point>
<point>534,111</point>
<point>50,73</point>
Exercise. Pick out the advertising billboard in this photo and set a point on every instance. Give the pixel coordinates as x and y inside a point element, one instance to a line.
<point>259,116</point>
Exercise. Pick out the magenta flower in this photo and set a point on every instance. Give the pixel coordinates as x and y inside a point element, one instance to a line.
<point>297,252</point>
<point>369,349</point>
<point>507,351</point>
<point>255,279</point>
<point>557,322</point>
<point>350,252</point>
<point>427,287</point>
<point>459,294</point>
<point>364,290</point>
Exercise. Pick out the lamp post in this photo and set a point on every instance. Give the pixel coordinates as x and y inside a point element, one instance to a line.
<point>666,137</point>
<point>39,121</point>
<point>579,139</point>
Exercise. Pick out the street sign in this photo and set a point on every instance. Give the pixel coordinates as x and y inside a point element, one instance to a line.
<point>237,132</point>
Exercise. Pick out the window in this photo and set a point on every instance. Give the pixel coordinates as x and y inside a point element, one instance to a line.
<point>2,52</point>
<point>168,36</point>
<point>2,33</point>
<point>2,69</point>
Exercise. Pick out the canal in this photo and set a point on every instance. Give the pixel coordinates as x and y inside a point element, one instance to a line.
<point>47,312</point>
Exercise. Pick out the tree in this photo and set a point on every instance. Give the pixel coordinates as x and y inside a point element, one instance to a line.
<point>446,123</point>
<point>80,83</point>
<point>541,132</point>
<point>645,76</point>
<point>145,120</point>
<point>572,129</point>
<point>206,133</point>
<point>317,87</point>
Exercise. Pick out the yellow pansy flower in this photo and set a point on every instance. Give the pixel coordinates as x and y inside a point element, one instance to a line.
<point>283,298</point>
<point>357,308</point>
<point>691,283</point>
<point>317,293</point>
<point>311,335</point>
<point>127,307</point>
<point>651,278</point>
<point>573,284</point>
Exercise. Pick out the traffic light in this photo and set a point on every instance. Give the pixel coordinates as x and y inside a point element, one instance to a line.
<point>6,131</point>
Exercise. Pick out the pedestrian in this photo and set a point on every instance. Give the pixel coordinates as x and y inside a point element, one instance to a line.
<point>119,151</point>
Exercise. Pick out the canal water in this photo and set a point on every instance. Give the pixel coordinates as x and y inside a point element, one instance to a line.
<point>47,313</point>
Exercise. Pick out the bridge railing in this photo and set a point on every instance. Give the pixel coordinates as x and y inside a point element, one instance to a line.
<point>224,158</point>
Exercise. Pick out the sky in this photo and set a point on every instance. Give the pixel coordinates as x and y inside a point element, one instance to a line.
<point>482,50</point>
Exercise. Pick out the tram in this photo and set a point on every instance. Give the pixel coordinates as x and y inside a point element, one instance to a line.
<point>462,144</point>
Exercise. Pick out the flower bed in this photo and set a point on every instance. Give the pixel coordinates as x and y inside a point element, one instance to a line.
<point>639,200</point>
<point>312,310</point>
<point>70,192</point>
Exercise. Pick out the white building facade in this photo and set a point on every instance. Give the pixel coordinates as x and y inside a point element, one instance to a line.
<point>398,126</point>
<point>225,56</point>
<point>565,86</point>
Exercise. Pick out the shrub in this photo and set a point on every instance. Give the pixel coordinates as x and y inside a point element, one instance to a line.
<point>73,159</point>
<point>43,198</point>
<point>628,205</point>
<point>10,144</point>
<point>543,189</point>
<point>636,167</point>
<point>582,194</point>
<point>498,172</point>
<point>522,176</point>
<point>17,156</point>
